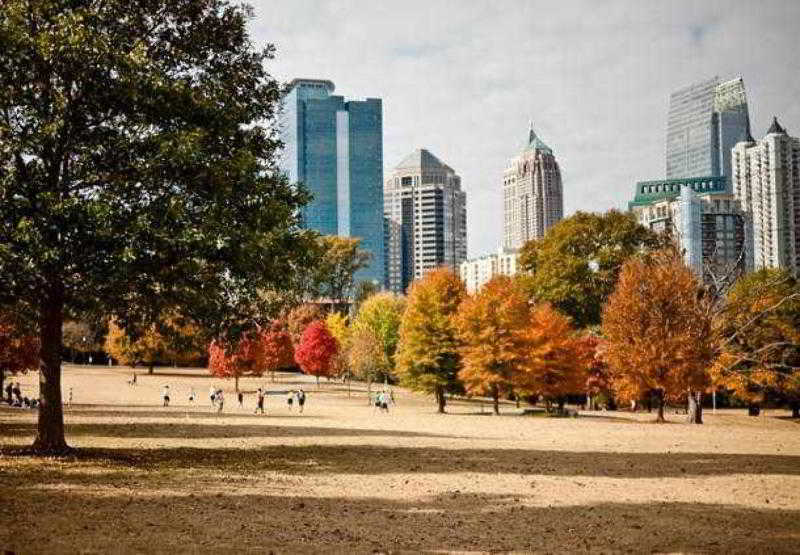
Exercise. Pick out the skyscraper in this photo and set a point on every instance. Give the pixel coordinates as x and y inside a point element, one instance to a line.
<point>335,148</point>
<point>426,219</point>
<point>705,121</point>
<point>532,193</point>
<point>766,179</point>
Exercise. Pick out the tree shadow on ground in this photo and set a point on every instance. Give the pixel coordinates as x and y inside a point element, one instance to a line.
<point>373,460</point>
<point>227,521</point>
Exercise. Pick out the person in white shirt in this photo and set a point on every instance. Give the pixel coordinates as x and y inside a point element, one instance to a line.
<point>165,395</point>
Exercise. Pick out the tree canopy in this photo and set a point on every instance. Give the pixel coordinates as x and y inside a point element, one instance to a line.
<point>576,265</point>
<point>317,351</point>
<point>138,171</point>
<point>341,258</point>
<point>382,314</point>
<point>428,351</point>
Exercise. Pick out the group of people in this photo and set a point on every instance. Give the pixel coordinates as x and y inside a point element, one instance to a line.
<point>382,400</point>
<point>15,398</point>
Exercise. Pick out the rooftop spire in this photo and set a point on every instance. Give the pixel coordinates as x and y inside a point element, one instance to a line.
<point>535,142</point>
<point>776,127</point>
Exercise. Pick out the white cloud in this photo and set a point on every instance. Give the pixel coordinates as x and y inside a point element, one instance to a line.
<point>462,78</point>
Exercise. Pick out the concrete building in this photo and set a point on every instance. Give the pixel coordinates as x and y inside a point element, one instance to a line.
<point>335,148</point>
<point>705,121</point>
<point>425,214</point>
<point>533,199</point>
<point>766,179</point>
<point>478,271</point>
<point>705,221</point>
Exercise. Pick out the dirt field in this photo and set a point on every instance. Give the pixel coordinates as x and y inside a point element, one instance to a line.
<point>342,478</point>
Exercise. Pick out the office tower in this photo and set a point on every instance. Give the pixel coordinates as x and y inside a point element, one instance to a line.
<point>766,179</point>
<point>335,148</point>
<point>532,193</point>
<point>706,222</point>
<point>476,272</point>
<point>426,219</point>
<point>705,121</point>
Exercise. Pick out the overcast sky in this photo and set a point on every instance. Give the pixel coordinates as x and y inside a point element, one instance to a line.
<point>462,78</point>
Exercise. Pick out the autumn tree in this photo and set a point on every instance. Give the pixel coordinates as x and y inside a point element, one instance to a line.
<point>147,348</point>
<point>336,323</point>
<point>138,171</point>
<point>342,257</point>
<point>245,357</point>
<point>382,314</point>
<point>366,357</point>
<point>278,348</point>
<point>598,380</point>
<point>19,348</point>
<point>363,290</point>
<point>489,325</point>
<point>428,350</point>
<point>317,351</point>
<point>299,318</point>
<point>758,332</point>
<point>657,330</point>
<point>555,360</point>
<point>575,265</point>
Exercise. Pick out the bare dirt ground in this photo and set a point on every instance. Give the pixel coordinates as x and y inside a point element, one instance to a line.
<point>343,478</point>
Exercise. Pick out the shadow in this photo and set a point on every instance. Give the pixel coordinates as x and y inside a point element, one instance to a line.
<point>283,521</point>
<point>375,460</point>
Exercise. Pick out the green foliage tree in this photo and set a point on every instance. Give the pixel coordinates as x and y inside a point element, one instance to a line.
<point>341,258</point>
<point>576,265</point>
<point>138,171</point>
<point>428,350</point>
<point>758,331</point>
<point>382,314</point>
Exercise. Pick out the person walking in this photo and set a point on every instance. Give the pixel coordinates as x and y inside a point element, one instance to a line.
<point>212,394</point>
<point>9,388</point>
<point>69,402</point>
<point>17,391</point>
<point>301,399</point>
<point>165,395</point>
<point>259,401</point>
<point>220,400</point>
<point>191,395</point>
<point>240,395</point>
<point>290,400</point>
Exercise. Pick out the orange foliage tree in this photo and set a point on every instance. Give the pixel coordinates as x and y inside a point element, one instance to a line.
<point>489,325</point>
<point>316,353</point>
<point>428,349</point>
<point>658,330</point>
<point>598,381</point>
<point>556,359</point>
<point>246,357</point>
<point>19,351</point>
<point>278,348</point>
<point>299,318</point>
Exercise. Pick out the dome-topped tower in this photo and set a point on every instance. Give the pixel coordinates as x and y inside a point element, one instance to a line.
<point>532,193</point>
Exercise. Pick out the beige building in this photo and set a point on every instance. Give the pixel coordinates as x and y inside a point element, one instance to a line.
<point>766,180</point>
<point>532,194</point>
<point>478,271</point>
<point>425,213</point>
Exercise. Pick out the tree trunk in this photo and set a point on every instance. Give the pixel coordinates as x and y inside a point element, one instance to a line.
<point>695,408</point>
<point>495,399</point>
<point>2,379</point>
<point>561,402</point>
<point>236,383</point>
<point>50,428</point>
<point>795,408</point>
<point>440,398</point>
<point>317,382</point>
<point>660,401</point>
<point>369,389</point>
<point>150,368</point>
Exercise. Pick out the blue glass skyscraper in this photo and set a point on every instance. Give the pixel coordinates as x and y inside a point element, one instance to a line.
<point>335,148</point>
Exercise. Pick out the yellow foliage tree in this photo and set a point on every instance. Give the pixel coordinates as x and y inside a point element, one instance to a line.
<point>658,330</point>
<point>337,326</point>
<point>490,325</point>
<point>180,342</point>
<point>556,361</point>
<point>428,357</point>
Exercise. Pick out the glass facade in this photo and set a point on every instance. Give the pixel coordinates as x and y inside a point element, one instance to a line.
<point>335,148</point>
<point>705,121</point>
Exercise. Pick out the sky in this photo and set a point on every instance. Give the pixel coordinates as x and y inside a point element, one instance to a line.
<point>462,78</point>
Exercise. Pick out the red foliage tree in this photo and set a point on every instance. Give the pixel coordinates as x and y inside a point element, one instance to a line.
<point>19,352</point>
<point>245,358</point>
<point>316,352</point>
<point>278,348</point>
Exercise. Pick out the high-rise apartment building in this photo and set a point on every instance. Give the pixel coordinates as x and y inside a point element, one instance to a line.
<point>533,199</point>
<point>335,148</point>
<point>766,179</point>
<point>426,219</point>
<point>706,222</point>
<point>705,121</point>
<point>476,272</point>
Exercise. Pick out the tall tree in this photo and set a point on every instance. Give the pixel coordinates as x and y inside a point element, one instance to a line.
<point>278,348</point>
<point>428,350</point>
<point>19,348</point>
<point>490,325</point>
<point>138,170</point>
<point>658,330</point>
<point>336,323</point>
<point>555,362</point>
<point>382,314</point>
<point>366,357</point>
<point>576,265</point>
<point>244,357</point>
<point>316,353</point>
<point>342,257</point>
<point>758,330</point>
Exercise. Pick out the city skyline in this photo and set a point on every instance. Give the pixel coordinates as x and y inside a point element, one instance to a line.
<point>598,89</point>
